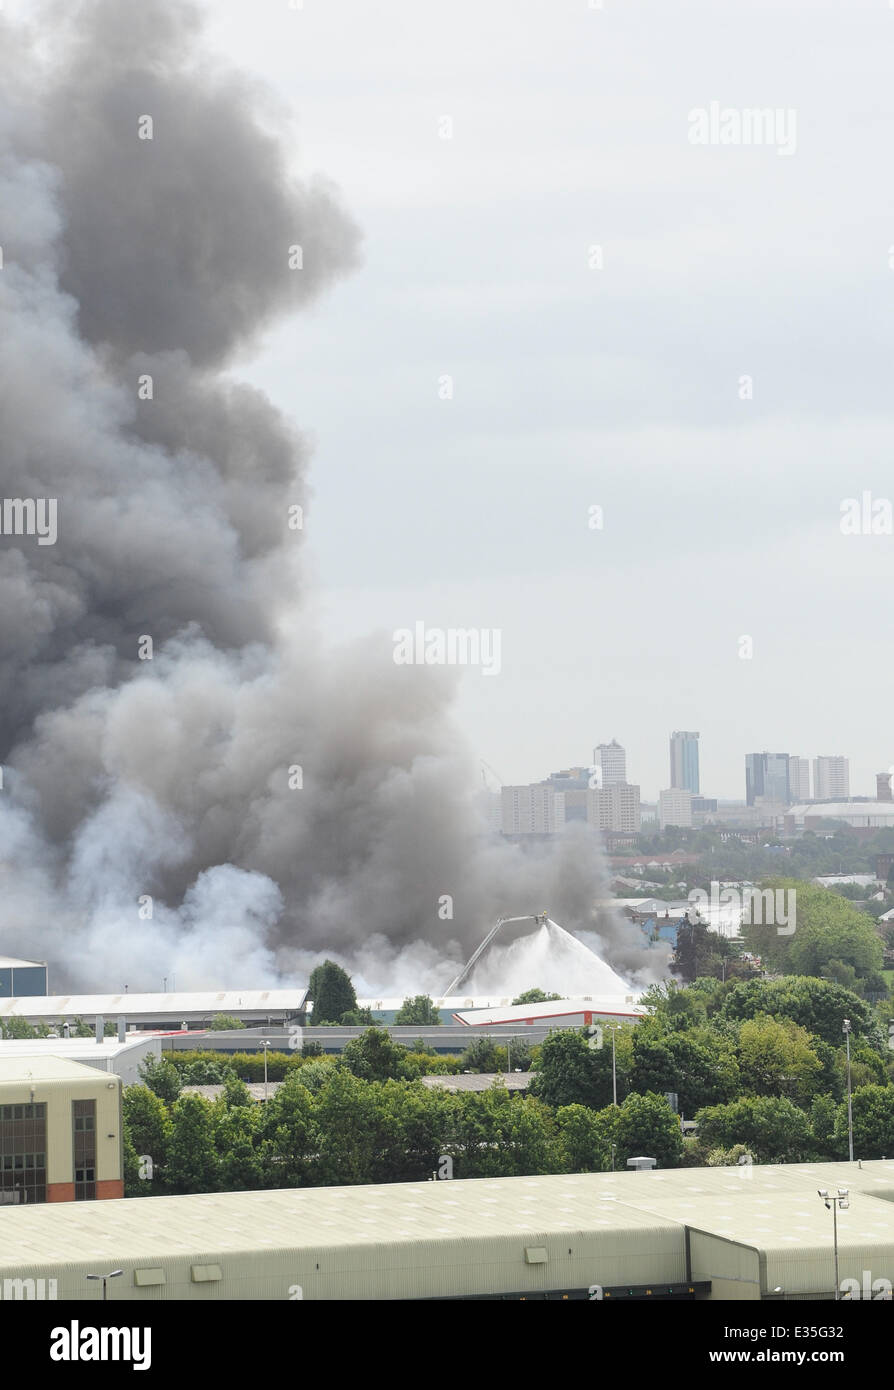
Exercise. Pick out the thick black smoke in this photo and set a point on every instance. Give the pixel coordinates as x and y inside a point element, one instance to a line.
<point>135,270</point>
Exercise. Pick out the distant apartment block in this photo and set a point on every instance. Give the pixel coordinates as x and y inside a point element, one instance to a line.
<point>674,807</point>
<point>615,808</point>
<point>532,810</point>
<point>684,762</point>
<point>883,787</point>
<point>612,759</point>
<point>799,778</point>
<point>767,778</point>
<point>831,779</point>
<point>573,782</point>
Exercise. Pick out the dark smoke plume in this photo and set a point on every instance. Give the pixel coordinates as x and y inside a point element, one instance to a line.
<point>129,261</point>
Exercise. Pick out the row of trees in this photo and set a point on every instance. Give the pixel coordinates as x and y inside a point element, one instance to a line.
<point>325,1126</point>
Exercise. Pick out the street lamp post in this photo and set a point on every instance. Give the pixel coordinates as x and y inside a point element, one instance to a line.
<point>843,1201</point>
<point>850,1117</point>
<point>614,1071</point>
<point>265,1044</point>
<point>105,1279</point>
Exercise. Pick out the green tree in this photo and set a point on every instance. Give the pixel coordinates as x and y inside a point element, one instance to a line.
<point>311,1049</point>
<point>224,1022</point>
<point>535,996</point>
<point>645,1126</point>
<point>498,1134</point>
<point>776,1059</point>
<point>349,1125</point>
<point>772,1128</point>
<point>578,1139</point>
<point>873,1118</point>
<point>699,1065</point>
<point>131,1165</point>
<point>575,1067</point>
<point>206,1072</point>
<point>820,1006</point>
<point>288,1132</point>
<point>235,1092</point>
<point>823,1118</point>
<point>827,928</point>
<point>374,1056</point>
<point>332,993</point>
<point>16,1028</point>
<point>236,1128</point>
<point>357,1018</point>
<point>420,1011</point>
<point>149,1127</point>
<point>192,1164</point>
<point>481,1055</point>
<point>161,1077</point>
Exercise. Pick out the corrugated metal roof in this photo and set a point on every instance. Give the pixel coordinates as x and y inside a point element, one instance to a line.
<point>464,1238</point>
<point>44,1069</point>
<point>73,1048</point>
<point>316,1218</point>
<point>479,1081</point>
<point>773,1209</point>
<point>207,1002</point>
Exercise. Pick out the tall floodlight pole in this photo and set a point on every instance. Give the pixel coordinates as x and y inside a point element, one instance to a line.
<point>843,1201</point>
<point>850,1117</point>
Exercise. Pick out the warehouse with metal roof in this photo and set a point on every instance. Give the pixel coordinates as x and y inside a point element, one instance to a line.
<point>190,1009</point>
<point>720,1233</point>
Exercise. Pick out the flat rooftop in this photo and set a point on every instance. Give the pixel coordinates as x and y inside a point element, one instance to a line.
<point>775,1208</point>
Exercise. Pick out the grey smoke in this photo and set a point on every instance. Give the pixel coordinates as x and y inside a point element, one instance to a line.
<point>169,778</point>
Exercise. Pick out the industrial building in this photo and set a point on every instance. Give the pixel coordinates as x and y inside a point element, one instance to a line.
<point>22,977</point>
<point>118,1058</point>
<point>555,1013</point>
<point>163,1011</point>
<point>686,1233</point>
<point>60,1132</point>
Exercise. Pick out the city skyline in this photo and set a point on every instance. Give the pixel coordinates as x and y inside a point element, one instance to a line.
<point>837,778</point>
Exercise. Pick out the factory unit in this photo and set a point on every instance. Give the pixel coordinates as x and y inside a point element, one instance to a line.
<point>22,977</point>
<point>60,1133</point>
<point>110,1055</point>
<point>258,1007</point>
<point>448,1040</point>
<point>555,1013</point>
<point>683,1233</point>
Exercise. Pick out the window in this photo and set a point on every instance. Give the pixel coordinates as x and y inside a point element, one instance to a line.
<point>23,1160</point>
<point>83,1124</point>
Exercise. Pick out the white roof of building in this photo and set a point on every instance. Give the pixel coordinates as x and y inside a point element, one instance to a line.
<point>204,1003</point>
<point>619,1006</point>
<point>71,1048</point>
<point>6,961</point>
<point>838,810</point>
<point>44,1069</point>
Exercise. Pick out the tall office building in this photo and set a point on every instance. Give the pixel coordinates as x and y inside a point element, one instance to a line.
<point>767,778</point>
<point>799,778</point>
<point>612,759</point>
<point>684,762</point>
<point>883,787</point>
<point>831,779</point>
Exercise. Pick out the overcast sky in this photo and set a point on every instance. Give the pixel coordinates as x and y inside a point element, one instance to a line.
<point>617,387</point>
